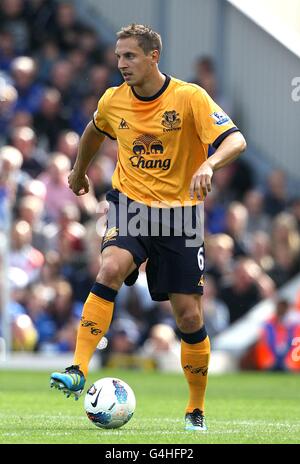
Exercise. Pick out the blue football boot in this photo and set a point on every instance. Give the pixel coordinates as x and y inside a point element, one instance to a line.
<point>71,381</point>
<point>195,421</point>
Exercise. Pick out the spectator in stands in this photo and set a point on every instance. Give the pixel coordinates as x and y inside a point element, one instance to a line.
<point>163,347</point>
<point>62,78</point>
<point>275,350</point>
<point>65,28</point>
<point>12,178</point>
<point>242,178</point>
<point>62,304</point>
<point>234,181</point>
<point>51,270</point>
<point>215,214</point>
<point>24,139</point>
<point>35,188</point>
<point>24,334</point>
<point>257,218</point>
<point>7,49</point>
<point>13,19</point>
<point>276,194</point>
<point>222,180</point>
<point>100,173</point>
<point>30,91</point>
<point>284,267</point>
<point>81,66</point>
<point>246,286</point>
<point>236,227</point>
<point>83,113</point>
<point>286,248</point>
<point>216,313</point>
<point>219,257</point>
<point>295,210</point>
<point>123,336</point>
<point>285,233</point>
<point>47,54</point>
<point>21,119</point>
<point>66,236</point>
<point>50,120</point>
<point>90,44</point>
<point>50,308</point>
<point>40,16</point>
<point>17,294</point>
<point>261,250</point>
<point>297,302</point>
<point>37,299</point>
<point>95,228</point>
<point>58,193</point>
<point>109,148</point>
<point>23,255</point>
<point>65,339</point>
<point>81,281</point>
<point>8,98</point>
<point>67,143</point>
<point>31,209</point>
<point>98,80</point>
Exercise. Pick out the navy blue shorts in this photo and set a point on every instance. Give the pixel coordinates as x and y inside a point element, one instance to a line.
<point>170,239</point>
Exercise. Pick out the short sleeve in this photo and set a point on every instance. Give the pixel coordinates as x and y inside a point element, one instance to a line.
<point>100,117</point>
<point>212,123</point>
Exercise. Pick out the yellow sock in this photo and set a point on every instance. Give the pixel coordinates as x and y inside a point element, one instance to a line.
<point>194,361</point>
<point>95,321</point>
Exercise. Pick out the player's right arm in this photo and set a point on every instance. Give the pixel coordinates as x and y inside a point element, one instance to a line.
<point>89,145</point>
<point>90,142</point>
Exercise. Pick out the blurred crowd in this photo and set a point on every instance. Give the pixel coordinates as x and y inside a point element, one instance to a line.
<point>55,69</point>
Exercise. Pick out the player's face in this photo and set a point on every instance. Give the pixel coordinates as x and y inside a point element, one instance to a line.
<point>135,66</point>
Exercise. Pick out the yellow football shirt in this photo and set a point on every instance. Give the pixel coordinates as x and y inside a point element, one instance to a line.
<point>162,140</point>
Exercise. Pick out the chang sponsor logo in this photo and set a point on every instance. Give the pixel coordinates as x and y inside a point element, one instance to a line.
<point>148,144</point>
<point>143,163</point>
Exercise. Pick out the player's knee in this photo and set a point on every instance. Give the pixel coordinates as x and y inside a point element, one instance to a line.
<point>189,322</point>
<point>110,273</point>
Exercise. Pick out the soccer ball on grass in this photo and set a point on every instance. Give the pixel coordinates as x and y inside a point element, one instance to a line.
<point>109,403</point>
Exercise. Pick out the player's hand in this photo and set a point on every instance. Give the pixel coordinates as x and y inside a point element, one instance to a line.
<point>78,183</point>
<point>201,181</point>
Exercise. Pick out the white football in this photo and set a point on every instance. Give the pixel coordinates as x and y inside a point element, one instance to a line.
<point>109,403</point>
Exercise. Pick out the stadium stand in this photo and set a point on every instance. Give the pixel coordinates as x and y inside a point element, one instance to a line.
<point>55,68</point>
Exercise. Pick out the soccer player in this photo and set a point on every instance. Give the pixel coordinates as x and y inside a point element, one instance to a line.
<point>163,127</point>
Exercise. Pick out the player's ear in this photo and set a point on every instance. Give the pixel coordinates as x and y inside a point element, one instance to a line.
<point>155,56</point>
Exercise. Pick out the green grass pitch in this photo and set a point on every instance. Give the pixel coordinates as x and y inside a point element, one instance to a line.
<point>240,408</point>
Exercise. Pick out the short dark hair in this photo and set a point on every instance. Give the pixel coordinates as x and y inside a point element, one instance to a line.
<point>147,38</point>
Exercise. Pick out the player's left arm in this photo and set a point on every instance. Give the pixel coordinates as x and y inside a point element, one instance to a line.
<point>230,148</point>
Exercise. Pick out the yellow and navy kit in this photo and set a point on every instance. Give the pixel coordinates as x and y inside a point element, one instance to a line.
<point>162,140</point>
